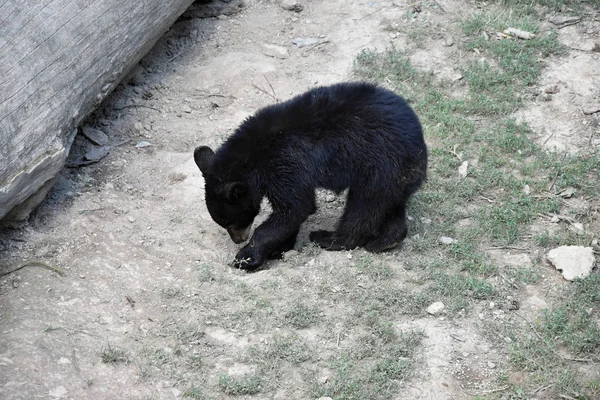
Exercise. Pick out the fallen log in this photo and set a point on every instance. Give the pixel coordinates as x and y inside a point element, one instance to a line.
<point>58,60</point>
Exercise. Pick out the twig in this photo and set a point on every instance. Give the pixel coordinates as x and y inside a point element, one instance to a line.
<point>456,337</point>
<point>564,396</point>
<point>271,86</point>
<point>135,105</point>
<point>453,151</point>
<point>500,389</point>
<point>507,247</point>
<point>34,263</point>
<point>90,210</point>
<point>439,5</point>
<point>542,388</point>
<point>488,199</point>
<point>175,56</point>
<point>265,92</point>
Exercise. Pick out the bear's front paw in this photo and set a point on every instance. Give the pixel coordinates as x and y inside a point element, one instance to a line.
<point>248,259</point>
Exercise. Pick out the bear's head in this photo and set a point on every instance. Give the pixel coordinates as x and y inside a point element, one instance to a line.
<point>230,203</point>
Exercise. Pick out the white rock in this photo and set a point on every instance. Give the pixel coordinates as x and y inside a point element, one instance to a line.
<point>491,365</point>
<point>463,169</point>
<point>573,261</point>
<point>436,308</point>
<point>446,240</point>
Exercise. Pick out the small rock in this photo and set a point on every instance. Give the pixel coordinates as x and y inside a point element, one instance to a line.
<point>446,240</point>
<point>573,261</point>
<point>330,198</point>
<point>552,89</point>
<point>95,136</point>
<point>97,153</point>
<point>303,42</point>
<point>577,227</point>
<point>435,308</point>
<point>589,110</point>
<point>491,365</point>
<point>518,33</point>
<point>186,109</point>
<point>64,360</point>
<point>508,340</point>
<point>275,51</point>
<point>561,20</point>
<point>555,219</point>
<point>568,192</point>
<point>463,169</point>
<point>324,398</point>
<point>291,5</point>
<point>526,190</point>
<point>131,219</point>
<point>143,144</point>
<point>448,41</point>
<point>456,77</point>
<point>323,380</point>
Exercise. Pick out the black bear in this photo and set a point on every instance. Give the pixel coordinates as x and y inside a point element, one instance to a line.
<point>349,135</point>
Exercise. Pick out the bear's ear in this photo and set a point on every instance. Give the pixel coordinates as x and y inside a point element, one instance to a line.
<point>236,191</point>
<point>203,156</point>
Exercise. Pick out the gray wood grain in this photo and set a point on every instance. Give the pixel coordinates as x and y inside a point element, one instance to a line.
<point>58,60</point>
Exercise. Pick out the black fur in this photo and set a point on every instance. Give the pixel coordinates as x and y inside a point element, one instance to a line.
<point>350,135</point>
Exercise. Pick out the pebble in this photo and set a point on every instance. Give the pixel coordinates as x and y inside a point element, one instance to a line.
<point>435,308</point>
<point>143,144</point>
<point>491,365</point>
<point>463,169</point>
<point>292,5</point>
<point>446,240</point>
<point>330,198</point>
<point>95,136</point>
<point>589,110</point>
<point>303,42</point>
<point>187,109</point>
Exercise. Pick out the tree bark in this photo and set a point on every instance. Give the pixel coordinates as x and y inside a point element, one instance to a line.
<point>58,60</point>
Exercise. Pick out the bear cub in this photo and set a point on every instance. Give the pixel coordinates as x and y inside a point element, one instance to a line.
<point>349,135</point>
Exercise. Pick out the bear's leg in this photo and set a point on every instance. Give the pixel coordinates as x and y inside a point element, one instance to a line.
<point>392,233</point>
<point>287,245</point>
<point>359,224</point>
<point>278,233</point>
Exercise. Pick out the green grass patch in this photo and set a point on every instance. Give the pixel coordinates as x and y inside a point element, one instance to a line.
<point>113,355</point>
<point>372,368</point>
<point>240,385</point>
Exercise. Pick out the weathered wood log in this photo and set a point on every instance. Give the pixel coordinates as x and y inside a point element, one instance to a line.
<point>58,60</point>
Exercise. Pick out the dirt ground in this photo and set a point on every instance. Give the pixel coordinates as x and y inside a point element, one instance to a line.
<point>131,233</point>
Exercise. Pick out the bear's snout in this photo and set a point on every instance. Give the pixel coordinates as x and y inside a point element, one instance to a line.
<point>239,235</point>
